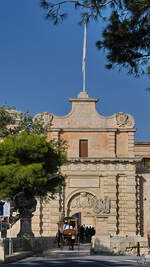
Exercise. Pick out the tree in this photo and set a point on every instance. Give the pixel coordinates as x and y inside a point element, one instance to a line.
<point>29,165</point>
<point>125,32</point>
<point>29,168</point>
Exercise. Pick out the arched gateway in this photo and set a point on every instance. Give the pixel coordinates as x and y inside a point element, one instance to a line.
<point>100,169</point>
<point>102,186</point>
<point>88,207</point>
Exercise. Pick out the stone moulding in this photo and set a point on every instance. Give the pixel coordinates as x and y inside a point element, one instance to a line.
<point>142,170</point>
<point>78,191</point>
<point>92,130</point>
<point>102,216</point>
<point>103,160</point>
<point>83,100</point>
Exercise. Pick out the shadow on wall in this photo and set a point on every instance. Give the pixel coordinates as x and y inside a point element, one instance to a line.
<point>35,244</point>
<point>101,245</point>
<point>140,205</point>
<point>119,245</point>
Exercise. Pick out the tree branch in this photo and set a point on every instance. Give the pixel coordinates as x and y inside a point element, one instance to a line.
<point>107,3</point>
<point>147,56</point>
<point>52,5</point>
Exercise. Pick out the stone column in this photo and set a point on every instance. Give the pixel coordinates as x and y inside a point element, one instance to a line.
<point>101,224</point>
<point>122,207</point>
<point>110,191</point>
<point>131,145</point>
<point>112,144</point>
<point>131,205</point>
<point>126,205</point>
<point>53,218</point>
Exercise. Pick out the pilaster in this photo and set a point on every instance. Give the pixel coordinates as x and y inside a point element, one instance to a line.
<point>131,144</point>
<point>112,144</point>
<point>126,205</point>
<point>109,189</point>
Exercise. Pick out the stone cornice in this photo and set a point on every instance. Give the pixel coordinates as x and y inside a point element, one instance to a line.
<point>142,143</point>
<point>92,130</point>
<point>142,170</point>
<point>126,129</point>
<point>103,160</point>
<point>83,129</point>
<point>83,99</point>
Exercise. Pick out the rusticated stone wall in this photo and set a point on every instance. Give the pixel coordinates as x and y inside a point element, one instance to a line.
<point>103,187</point>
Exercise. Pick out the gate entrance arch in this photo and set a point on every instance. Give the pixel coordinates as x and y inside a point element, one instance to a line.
<point>81,205</point>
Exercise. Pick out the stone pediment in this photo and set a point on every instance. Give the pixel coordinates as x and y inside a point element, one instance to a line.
<point>84,116</point>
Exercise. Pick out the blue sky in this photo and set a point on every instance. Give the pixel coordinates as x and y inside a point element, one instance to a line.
<point>40,67</point>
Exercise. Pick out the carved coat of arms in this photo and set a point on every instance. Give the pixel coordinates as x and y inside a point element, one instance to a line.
<point>85,200</point>
<point>101,206</point>
<point>122,119</point>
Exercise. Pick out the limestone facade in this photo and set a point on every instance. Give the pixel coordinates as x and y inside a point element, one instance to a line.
<point>106,188</point>
<point>107,173</point>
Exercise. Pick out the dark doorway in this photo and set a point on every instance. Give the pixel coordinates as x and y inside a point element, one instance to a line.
<point>78,215</point>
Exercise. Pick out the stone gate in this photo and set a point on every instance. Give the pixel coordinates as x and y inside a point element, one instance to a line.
<point>103,186</point>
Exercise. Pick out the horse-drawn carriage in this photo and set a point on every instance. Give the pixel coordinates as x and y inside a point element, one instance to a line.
<point>68,233</point>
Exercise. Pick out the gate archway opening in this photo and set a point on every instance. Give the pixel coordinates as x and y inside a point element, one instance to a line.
<point>81,206</point>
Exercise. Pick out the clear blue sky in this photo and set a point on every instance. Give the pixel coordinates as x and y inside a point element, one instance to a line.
<point>40,67</point>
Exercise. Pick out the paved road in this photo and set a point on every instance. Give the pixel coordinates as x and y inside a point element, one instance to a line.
<point>91,261</point>
<point>77,258</point>
<point>79,261</point>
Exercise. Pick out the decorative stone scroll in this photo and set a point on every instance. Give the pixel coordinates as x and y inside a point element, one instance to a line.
<point>85,200</point>
<point>124,120</point>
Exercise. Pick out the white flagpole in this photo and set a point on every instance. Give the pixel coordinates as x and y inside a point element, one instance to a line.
<point>84,56</point>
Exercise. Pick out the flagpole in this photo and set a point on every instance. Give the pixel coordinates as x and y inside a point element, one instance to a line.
<point>84,57</point>
<point>84,81</point>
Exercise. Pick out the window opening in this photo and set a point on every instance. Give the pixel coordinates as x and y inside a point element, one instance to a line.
<point>83,148</point>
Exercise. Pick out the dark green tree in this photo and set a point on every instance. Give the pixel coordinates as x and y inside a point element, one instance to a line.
<point>29,165</point>
<point>125,29</point>
<point>29,168</point>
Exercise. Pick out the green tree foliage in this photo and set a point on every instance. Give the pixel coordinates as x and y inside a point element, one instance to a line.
<point>31,164</point>
<point>125,29</point>
<point>126,38</point>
